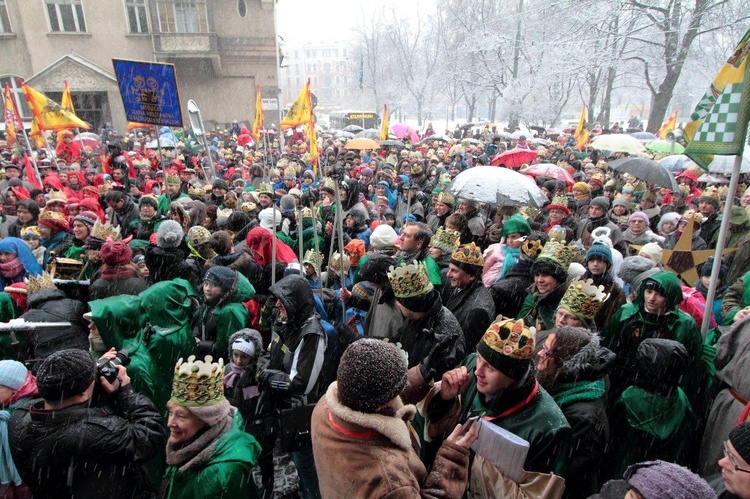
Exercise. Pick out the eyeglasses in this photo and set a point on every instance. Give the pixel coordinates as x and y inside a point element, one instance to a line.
<point>730,458</point>
<point>568,319</point>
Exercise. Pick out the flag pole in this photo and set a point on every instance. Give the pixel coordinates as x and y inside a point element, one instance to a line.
<point>31,155</point>
<point>713,284</point>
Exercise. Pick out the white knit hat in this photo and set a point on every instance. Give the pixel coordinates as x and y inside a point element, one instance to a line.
<point>12,374</point>
<point>266,217</point>
<point>383,237</point>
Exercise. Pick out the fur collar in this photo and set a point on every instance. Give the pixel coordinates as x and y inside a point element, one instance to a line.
<point>394,428</point>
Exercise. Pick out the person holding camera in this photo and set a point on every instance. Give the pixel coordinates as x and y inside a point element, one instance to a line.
<point>65,447</point>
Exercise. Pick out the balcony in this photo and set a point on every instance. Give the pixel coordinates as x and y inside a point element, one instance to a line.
<point>171,46</point>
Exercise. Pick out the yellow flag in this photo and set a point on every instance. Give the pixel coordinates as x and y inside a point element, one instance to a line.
<point>301,111</point>
<point>668,126</point>
<point>384,123</point>
<point>259,119</point>
<point>36,134</point>
<point>313,138</point>
<point>582,134</point>
<point>13,123</point>
<point>67,101</point>
<point>49,114</point>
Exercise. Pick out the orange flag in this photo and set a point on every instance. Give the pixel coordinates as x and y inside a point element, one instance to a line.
<point>301,111</point>
<point>13,123</point>
<point>668,126</point>
<point>48,113</point>
<point>67,100</point>
<point>582,134</point>
<point>259,119</point>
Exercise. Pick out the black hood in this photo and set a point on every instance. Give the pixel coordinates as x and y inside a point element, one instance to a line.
<point>296,294</point>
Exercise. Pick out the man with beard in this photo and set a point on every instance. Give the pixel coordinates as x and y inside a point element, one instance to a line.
<point>469,209</point>
<point>598,218</point>
<point>470,302</point>
<point>443,208</point>
<point>415,240</point>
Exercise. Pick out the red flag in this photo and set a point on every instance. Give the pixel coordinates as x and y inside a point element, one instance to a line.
<point>13,123</point>
<point>31,173</point>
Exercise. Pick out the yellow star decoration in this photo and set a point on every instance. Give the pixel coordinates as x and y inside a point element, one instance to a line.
<point>682,260</point>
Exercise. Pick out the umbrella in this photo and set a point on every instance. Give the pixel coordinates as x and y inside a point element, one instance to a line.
<point>353,129</point>
<point>392,143</point>
<point>401,130</point>
<point>499,186</point>
<point>344,135</point>
<point>712,178</point>
<point>439,138</point>
<point>539,142</point>
<point>518,134</point>
<point>725,164</point>
<point>549,170</point>
<point>362,143</point>
<point>665,146</point>
<point>163,142</point>
<point>514,157</point>
<point>618,142</point>
<point>370,133</point>
<point>645,169</point>
<point>645,136</point>
<point>676,163</point>
<point>466,126</point>
<point>90,141</point>
<point>470,141</point>
<point>503,135</point>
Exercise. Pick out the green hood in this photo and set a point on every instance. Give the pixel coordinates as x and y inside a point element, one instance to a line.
<point>672,288</point>
<point>655,414</point>
<point>245,290</point>
<point>739,216</point>
<point>168,303</point>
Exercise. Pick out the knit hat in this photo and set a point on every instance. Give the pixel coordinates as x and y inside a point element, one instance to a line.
<point>620,202</point>
<point>383,237</point>
<point>653,252</point>
<point>220,184</point>
<point>638,215</point>
<point>710,195</point>
<point>371,373</point>
<point>468,258</point>
<point>115,253</point>
<point>148,200</point>
<point>222,276</point>
<point>601,202</point>
<point>248,341</point>
<point>12,374</point>
<point>708,268</point>
<point>508,346</point>
<point>54,220</point>
<point>267,216</point>
<point>198,235</point>
<point>672,217</point>
<point>740,438</point>
<point>599,252</point>
<point>659,480</point>
<point>516,224</point>
<point>244,346</point>
<point>634,269</point>
<point>169,234</point>
<point>87,218</point>
<point>199,386</point>
<point>582,186</point>
<point>64,374</point>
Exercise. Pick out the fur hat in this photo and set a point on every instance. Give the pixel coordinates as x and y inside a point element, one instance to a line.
<point>371,373</point>
<point>169,234</point>
<point>148,200</point>
<point>64,374</point>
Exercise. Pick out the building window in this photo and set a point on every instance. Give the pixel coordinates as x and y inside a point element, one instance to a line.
<point>66,16</point>
<point>182,16</point>
<point>4,19</point>
<point>17,93</point>
<point>92,107</point>
<point>137,20</point>
<point>241,8</point>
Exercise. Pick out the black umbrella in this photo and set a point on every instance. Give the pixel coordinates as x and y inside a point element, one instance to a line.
<point>646,170</point>
<point>466,126</point>
<point>353,129</point>
<point>392,143</point>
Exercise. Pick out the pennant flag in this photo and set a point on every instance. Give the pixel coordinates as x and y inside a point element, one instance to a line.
<point>312,136</point>
<point>719,122</point>
<point>259,119</point>
<point>668,126</point>
<point>40,141</point>
<point>361,70</point>
<point>67,100</point>
<point>301,111</point>
<point>48,113</point>
<point>13,123</point>
<point>30,172</point>
<point>384,123</point>
<point>582,134</point>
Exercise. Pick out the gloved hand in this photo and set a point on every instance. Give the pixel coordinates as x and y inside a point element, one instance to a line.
<point>429,365</point>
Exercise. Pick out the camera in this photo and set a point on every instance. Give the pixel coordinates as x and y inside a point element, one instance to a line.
<point>108,367</point>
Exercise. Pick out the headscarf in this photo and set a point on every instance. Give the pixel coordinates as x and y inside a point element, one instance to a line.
<point>91,204</point>
<point>22,250</point>
<point>259,241</point>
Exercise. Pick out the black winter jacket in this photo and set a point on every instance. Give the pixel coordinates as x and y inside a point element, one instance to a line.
<point>51,305</point>
<point>82,451</point>
<point>510,292</point>
<point>101,288</point>
<point>474,310</point>
<point>165,264</point>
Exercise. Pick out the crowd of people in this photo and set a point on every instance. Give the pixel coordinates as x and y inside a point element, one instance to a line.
<point>181,326</point>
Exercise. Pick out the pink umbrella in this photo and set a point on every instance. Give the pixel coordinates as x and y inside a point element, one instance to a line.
<point>401,131</point>
<point>514,158</point>
<point>549,170</point>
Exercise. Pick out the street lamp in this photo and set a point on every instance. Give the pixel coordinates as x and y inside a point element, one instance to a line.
<point>196,122</point>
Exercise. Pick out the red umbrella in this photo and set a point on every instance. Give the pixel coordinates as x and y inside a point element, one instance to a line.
<point>514,158</point>
<point>551,171</point>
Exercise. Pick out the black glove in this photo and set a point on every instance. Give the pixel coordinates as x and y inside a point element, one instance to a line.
<point>429,365</point>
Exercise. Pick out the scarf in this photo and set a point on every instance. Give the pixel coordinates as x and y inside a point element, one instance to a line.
<point>409,257</point>
<point>579,391</point>
<point>196,453</point>
<point>116,273</point>
<point>8,472</point>
<point>234,373</point>
<point>12,268</point>
<point>511,258</point>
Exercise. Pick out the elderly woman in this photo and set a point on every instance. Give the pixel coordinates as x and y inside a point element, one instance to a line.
<point>16,261</point>
<point>208,452</point>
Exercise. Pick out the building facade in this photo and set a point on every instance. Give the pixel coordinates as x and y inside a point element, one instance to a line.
<point>220,50</point>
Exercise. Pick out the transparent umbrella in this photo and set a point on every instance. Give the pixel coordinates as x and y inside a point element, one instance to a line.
<point>499,186</point>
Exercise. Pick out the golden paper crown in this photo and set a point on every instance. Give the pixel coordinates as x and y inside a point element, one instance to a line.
<point>195,191</point>
<point>198,383</point>
<point>445,239</point>
<point>444,179</point>
<point>38,283</point>
<point>694,215</point>
<point>329,183</point>
<point>529,212</point>
<point>57,197</point>
<point>560,201</point>
<point>105,230</point>
<point>447,198</point>
<point>469,254</point>
<point>248,206</point>
<point>409,280</point>
<point>336,262</point>
<point>598,176</point>
<point>313,258</point>
<point>173,179</point>
<point>560,253</point>
<point>511,338</point>
<point>306,212</point>
<point>723,192</point>
<point>711,192</point>
<point>584,299</point>
<point>53,216</point>
<point>532,249</point>
<point>602,165</point>
<point>265,188</point>
<point>223,212</point>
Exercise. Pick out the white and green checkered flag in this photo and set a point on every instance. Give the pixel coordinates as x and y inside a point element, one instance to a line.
<point>719,121</point>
